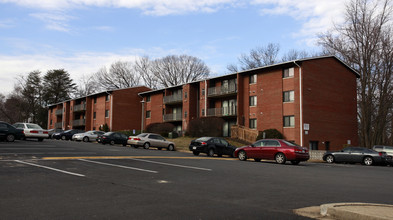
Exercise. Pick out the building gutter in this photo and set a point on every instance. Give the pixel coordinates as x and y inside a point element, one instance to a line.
<point>300,102</point>
<point>143,116</point>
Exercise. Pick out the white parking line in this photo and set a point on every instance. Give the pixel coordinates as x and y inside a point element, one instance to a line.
<point>115,165</point>
<point>174,165</point>
<point>50,168</point>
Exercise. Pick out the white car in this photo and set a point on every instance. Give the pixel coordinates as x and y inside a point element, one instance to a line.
<point>32,131</point>
<point>148,140</point>
<point>87,136</point>
<point>381,148</point>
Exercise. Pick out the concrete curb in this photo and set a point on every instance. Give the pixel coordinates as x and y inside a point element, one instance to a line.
<point>348,211</point>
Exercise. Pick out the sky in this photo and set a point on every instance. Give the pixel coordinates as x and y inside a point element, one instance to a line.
<point>82,36</point>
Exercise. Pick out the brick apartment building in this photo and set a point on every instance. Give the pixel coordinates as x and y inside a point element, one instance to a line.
<point>310,101</point>
<point>120,109</point>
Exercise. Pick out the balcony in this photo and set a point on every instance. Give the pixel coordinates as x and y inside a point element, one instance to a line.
<point>80,108</point>
<point>59,125</point>
<point>220,91</point>
<point>59,112</point>
<point>79,122</point>
<point>173,117</point>
<point>173,99</point>
<point>222,112</point>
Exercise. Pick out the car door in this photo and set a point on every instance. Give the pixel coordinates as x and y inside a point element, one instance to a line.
<point>153,139</point>
<point>343,155</point>
<point>3,130</point>
<point>356,155</point>
<point>269,149</point>
<point>227,149</point>
<point>220,148</point>
<point>116,138</point>
<point>255,150</point>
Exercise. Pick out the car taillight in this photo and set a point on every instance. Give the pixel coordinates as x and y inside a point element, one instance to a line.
<point>136,139</point>
<point>203,143</point>
<point>381,154</point>
<point>35,132</point>
<point>45,132</point>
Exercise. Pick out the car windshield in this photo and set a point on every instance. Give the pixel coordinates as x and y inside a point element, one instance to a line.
<point>290,143</point>
<point>33,126</point>
<point>202,139</point>
<point>142,135</point>
<point>108,133</point>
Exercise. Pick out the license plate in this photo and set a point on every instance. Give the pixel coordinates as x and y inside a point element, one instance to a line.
<point>194,148</point>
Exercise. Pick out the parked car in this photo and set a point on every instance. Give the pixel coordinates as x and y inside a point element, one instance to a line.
<point>52,131</point>
<point>381,148</point>
<point>87,136</point>
<point>66,135</point>
<point>148,140</point>
<point>273,149</point>
<point>211,146</point>
<point>355,155</point>
<point>33,131</point>
<point>112,138</point>
<point>9,132</point>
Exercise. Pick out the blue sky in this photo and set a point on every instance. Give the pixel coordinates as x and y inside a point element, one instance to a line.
<point>82,36</point>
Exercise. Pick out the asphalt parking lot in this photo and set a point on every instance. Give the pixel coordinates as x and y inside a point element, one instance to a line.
<point>71,180</point>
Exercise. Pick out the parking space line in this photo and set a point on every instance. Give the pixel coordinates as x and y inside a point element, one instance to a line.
<point>115,165</point>
<point>133,157</point>
<point>174,165</point>
<point>50,168</point>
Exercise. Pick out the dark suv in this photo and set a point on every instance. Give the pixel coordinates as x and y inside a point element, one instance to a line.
<point>66,135</point>
<point>9,132</point>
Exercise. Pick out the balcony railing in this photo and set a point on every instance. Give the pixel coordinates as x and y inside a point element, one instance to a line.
<point>79,122</point>
<point>173,117</point>
<point>79,108</point>
<point>59,125</point>
<point>222,90</point>
<point>59,112</point>
<point>225,111</point>
<point>171,99</point>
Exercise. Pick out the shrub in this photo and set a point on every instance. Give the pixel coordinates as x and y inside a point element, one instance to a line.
<point>160,128</point>
<point>104,128</point>
<point>211,126</point>
<point>130,132</point>
<point>270,133</point>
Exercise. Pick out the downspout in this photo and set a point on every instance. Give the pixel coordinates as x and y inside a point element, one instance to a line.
<point>143,116</point>
<point>300,103</point>
<point>111,110</point>
<point>205,97</point>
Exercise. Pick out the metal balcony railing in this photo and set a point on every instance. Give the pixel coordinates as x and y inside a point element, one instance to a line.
<point>172,117</point>
<point>59,125</point>
<point>225,111</point>
<point>59,112</point>
<point>173,99</point>
<point>222,90</point>
<point>79,122</point>
<point>79,108</point>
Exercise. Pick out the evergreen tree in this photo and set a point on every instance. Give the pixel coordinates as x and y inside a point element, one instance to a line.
<point>58,86</point>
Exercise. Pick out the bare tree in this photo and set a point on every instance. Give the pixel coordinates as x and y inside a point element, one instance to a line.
<point>86,86</point>
<point>364,41</point>
<point>144,67</point>
<point>258,57</point>
<point>174,70</point>
<point>120,75</point>
<point>294,55</point>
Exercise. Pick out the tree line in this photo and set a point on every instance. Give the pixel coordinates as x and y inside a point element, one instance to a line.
<point>364,41</point>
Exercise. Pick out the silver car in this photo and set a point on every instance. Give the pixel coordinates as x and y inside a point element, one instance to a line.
<point>32,130</point>
<point>381,148</point>
<point>147,140</point>
<point>87,136</point>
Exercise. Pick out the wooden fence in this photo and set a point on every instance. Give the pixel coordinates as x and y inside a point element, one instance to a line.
<point>244,133</point>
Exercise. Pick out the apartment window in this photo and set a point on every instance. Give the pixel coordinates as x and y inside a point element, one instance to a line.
<point>185,114</point>
<point>288,73</point>
<point>94,115</point>
<point>163,111</point>
<point>51,122</point>
<point>107,97</point>
<point>185,95</point>
<point>203,112</point>
<point>253,123</point>
<point>289,121</point>
<point>106,113</point>
<point>253,78</point>
<point>203,91</point>
<point>148,99</point>
<point>94,128</point>
<point>253,100</point>
<point>148,114</point>
<point>95,100</point>
<point>51,110</point>
<point>289,96</point>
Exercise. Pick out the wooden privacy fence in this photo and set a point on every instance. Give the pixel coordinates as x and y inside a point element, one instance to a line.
<point>244,133</point>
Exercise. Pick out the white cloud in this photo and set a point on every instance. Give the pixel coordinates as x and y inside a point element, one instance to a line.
<point>7,23</point>
<point>57,21</point>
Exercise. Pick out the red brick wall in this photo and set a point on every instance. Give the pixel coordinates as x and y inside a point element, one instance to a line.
<point>156,107</point>
<point>329,103</point>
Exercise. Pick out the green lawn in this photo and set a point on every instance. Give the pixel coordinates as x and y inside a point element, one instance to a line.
<point>182,143</point>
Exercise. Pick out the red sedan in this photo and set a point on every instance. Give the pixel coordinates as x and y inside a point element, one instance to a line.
<point>273,149</point>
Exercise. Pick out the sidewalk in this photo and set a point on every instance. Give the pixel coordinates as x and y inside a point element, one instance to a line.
<point>348,211</point>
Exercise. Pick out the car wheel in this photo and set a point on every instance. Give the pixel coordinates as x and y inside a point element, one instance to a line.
<point>86,139</point>
<point>171,147</point>
<point>136,146</point>
<point>40,139</point>
<point>330,158</point>
<point>10,138</point>
<point>124,145</point>
<point>196,153</point>
<point>295,162</point>
<point>112,142</point>
<point>368,161</point>
<point>63,137</point>
<point>280,158</point>
<point>210,153</point>
<point>257,160</point>
<point>146,145</point>
<point>242,155</point>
